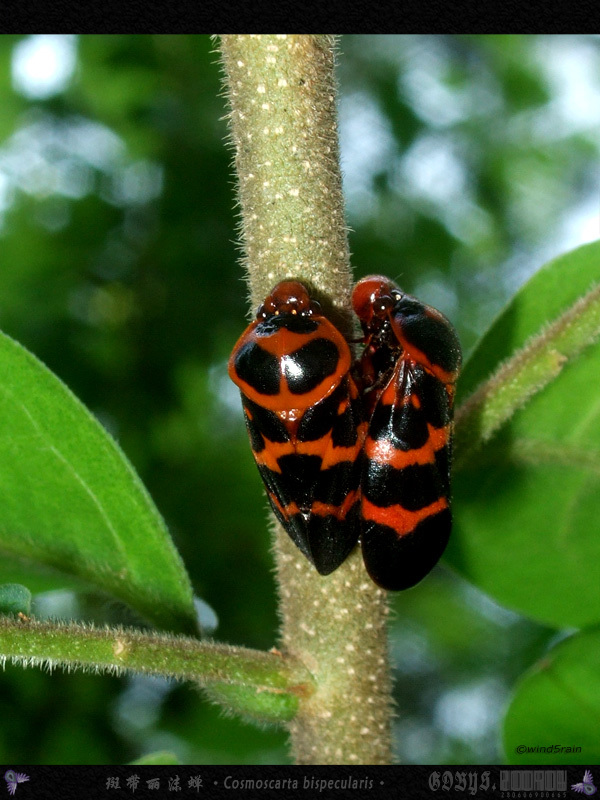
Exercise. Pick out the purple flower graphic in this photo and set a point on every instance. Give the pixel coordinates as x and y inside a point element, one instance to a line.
<point>12,778</point>
<point>587,784</point>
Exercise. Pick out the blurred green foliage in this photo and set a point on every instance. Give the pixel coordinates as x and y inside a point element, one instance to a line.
<point>468,162</point>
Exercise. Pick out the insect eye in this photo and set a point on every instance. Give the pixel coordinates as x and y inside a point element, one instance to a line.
<point>315,307</point>
<point>382,305</point>
<point>300,304</point>
<point>267,308</point>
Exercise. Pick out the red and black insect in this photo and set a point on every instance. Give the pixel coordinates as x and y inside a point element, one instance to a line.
<point>304,419</point>
<point>408,370</point>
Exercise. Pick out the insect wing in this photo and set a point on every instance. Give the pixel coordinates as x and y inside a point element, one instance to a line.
<point>333,430</point>
<point>272,447</point>
<point>312,474</point>
<point>405,484</point>
<point>304,422</point>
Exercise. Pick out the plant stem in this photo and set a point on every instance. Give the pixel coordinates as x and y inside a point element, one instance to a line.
<point>73,645</point>
<point>281,92</point>
<point>525,374</point>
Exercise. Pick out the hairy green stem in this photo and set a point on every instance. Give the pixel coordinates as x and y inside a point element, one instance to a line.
<point>281,92</point>
<point>283,128</point>
<point>527,372</point>
<point>75,646</point>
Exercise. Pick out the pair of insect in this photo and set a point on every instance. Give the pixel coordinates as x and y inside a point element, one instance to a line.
<point>353,450</point>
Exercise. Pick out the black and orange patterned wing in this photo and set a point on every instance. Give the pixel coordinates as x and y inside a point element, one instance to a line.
<point>409,366</point>
<point>304,421</point>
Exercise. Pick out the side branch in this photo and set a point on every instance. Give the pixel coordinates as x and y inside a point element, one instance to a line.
<point>74,646</point>
<point>532,368</point>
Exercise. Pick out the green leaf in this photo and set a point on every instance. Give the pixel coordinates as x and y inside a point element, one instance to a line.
<point>553,289</point>
<point>527,503</point>
<point>70,499</point>
<point>160,757</point>
<point>37,577</point>
<point>15,599</point>
<point>558,703</point>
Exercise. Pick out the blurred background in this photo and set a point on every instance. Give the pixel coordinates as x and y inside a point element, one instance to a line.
<point>468,162</point>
